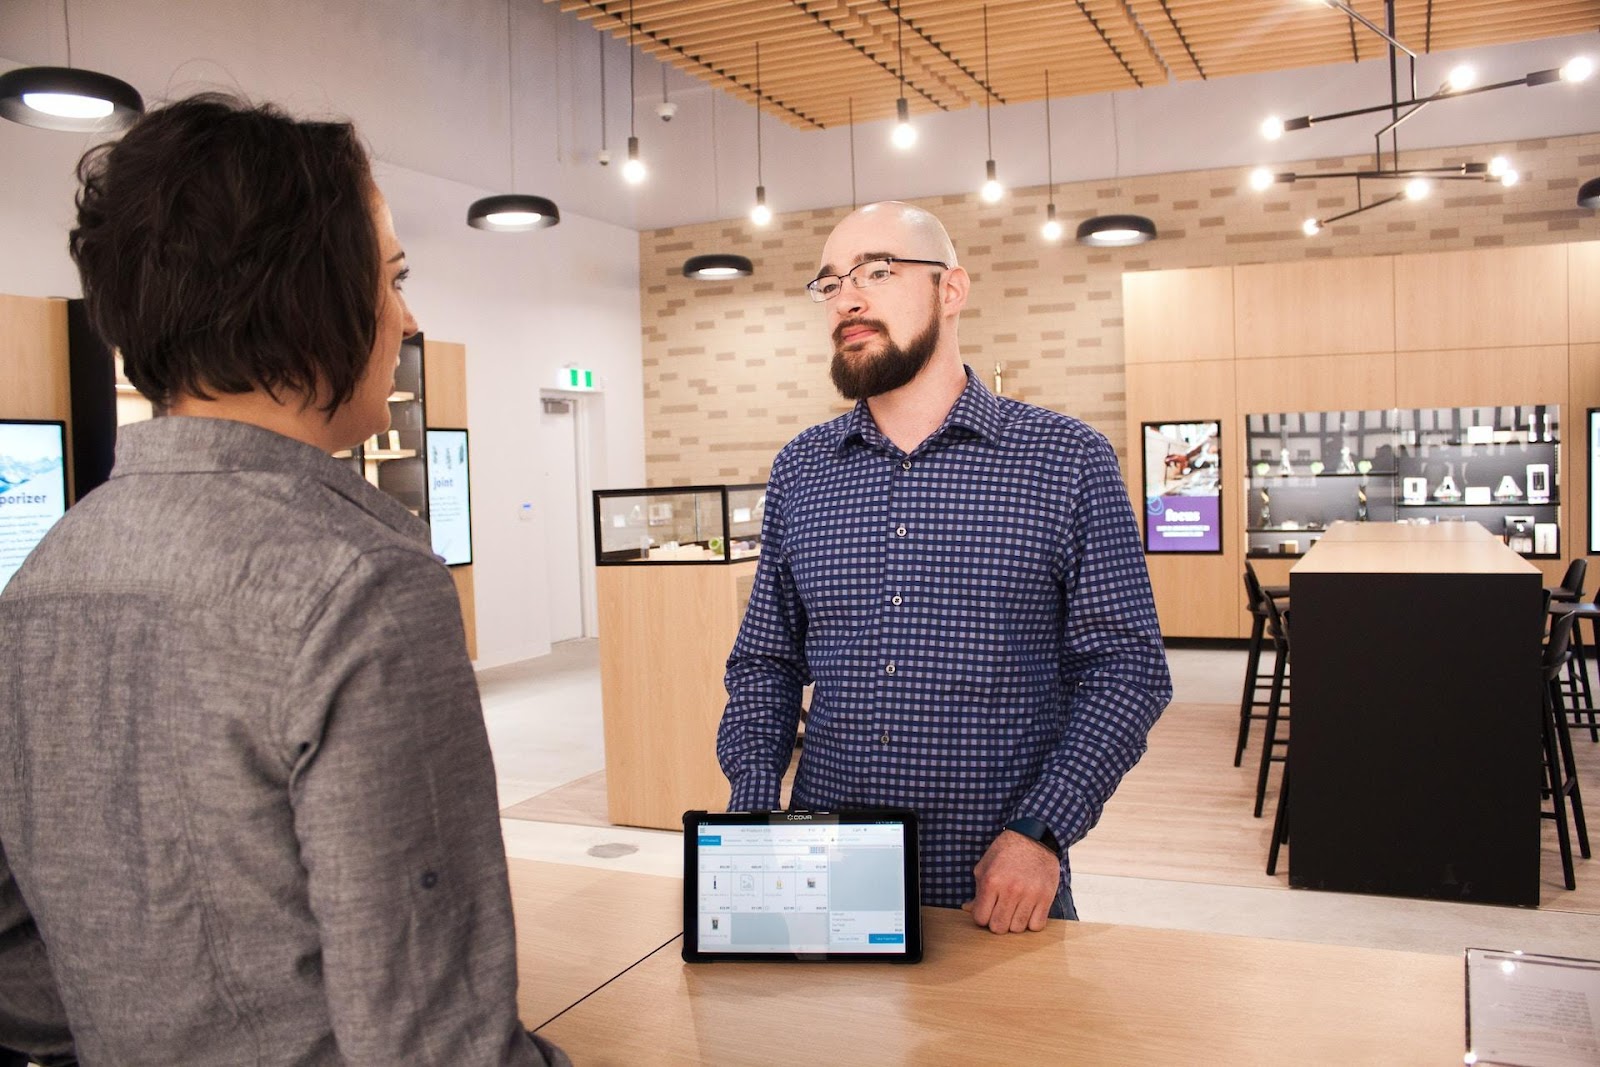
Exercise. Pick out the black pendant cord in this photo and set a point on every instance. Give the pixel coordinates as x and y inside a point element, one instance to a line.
<point>900,47</point>
<point>1049,151</point>
<point>758,114</point>
<point>988,93</point>
<point>632,130</point>
<point>511,104</point>
<point>851,104</point>
<point>601,37</point>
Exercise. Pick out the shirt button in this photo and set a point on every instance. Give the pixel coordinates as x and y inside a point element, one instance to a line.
<point>884,739</point>
<point>900,531</point>
<point>895,600</point>
<point>889,669</point>
<point>905,464</point>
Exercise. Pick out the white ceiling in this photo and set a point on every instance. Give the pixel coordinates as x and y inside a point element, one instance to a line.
<point>427,82</point>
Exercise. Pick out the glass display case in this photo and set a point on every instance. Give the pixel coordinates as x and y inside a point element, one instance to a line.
<point>679,524</point>
<point>1498,466</point>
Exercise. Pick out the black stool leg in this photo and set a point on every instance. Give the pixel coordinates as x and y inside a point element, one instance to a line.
<point>1553,769</point>
<point>1269,738</point>
<point>1579,654</point>
<point>1570,787</point>
<point>1252,683</point>
<point>1280,823</point>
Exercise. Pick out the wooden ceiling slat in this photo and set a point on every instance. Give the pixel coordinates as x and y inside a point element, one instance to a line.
<point>817,55</point>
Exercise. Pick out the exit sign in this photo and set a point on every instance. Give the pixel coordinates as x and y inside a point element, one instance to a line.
<point>575,378</point>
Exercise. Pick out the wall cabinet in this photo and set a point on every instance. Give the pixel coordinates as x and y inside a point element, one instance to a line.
<point>1498,466</point>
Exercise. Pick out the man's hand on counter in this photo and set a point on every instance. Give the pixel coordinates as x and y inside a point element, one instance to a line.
<point>1017,882</point>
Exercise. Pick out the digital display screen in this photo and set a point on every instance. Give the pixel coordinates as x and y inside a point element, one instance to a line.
<point>33,487</point>
<point>1182,486</point>
<point>449,496</point>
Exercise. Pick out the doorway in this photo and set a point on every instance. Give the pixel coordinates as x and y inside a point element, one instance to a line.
<point>565,456</point>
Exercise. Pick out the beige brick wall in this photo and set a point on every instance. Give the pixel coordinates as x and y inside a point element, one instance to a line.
<point>734,370</point>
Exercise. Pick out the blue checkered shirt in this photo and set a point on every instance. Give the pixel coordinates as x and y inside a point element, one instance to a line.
<point>976,616</point>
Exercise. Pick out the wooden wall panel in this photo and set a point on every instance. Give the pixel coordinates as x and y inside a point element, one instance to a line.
<point>1196,596</point>
<point>1317,383</point>
<point>1172,316</point>
<point>1314,307</point>
<point>1584,376</point>
<point>445,364</point>
<point>1583,292</point>
<point>33,358</point>
<point>1471,376</point>
<point>1483,298</point>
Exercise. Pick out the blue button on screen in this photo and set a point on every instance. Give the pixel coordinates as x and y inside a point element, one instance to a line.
<point>711,839</point>
<point>886,939</point>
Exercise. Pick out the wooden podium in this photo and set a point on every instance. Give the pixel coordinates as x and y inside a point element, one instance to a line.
<point>665,633</point>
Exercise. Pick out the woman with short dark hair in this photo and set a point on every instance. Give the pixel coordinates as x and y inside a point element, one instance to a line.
<point>247,805</point>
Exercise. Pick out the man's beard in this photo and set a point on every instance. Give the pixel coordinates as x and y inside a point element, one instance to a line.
<point>869,376</point>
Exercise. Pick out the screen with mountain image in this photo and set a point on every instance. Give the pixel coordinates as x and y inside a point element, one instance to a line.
<point>33,487</point>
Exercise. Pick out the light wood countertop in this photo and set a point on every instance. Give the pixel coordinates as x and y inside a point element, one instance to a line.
<point>1076,993</point>
<point>1389,548</point>
<point>578,927</point>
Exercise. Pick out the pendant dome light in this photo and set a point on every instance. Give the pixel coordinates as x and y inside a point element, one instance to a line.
<point>1116,231</point>
<point>512,212</point>
<point>68,99</point>
<point>1589,193</point>
<point>714,266</point>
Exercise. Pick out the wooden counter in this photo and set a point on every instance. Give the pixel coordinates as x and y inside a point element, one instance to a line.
<point>1085,993</point>
<point>1415,744</point>
<point>665,634</point>
<point>578,927</point>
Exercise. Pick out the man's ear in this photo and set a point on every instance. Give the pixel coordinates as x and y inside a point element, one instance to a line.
<point>953,289</point>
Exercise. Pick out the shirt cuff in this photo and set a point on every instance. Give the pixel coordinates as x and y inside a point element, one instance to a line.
<point>1053,802</point>
<point>756,791</point>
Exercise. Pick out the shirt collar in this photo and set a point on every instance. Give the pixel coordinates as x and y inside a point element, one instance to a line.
<point>976,413</point>
<point>188,444</point>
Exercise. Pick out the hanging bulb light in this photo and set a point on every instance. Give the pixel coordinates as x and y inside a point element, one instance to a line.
<point>904,134</point>
<point>760,214</point>
<point>512,212</point>
<point>633,171</point>
<point>992,190</point>
<point>1051,230</point>
<point>1418,188</point>
<point>1311,227</point>
<point>68,99</point>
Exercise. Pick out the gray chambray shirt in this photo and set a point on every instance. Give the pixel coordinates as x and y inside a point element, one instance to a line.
<point>245,786</point>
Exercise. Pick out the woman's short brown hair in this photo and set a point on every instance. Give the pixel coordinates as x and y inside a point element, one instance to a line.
<point>226,247</point>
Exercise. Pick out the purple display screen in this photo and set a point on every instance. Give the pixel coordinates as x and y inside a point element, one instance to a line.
<point>1182,486</point>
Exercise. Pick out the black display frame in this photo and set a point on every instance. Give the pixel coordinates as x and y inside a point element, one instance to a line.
<point>66,465</point>
<point>1219,520</point>
<point>427,467</point>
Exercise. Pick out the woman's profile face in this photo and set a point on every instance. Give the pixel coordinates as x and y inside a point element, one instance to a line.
<point>367,412</point>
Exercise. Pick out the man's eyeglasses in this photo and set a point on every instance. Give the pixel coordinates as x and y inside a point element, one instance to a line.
<point>872,272</point>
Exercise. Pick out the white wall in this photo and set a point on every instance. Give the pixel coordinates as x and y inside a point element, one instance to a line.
<point>412,76</point>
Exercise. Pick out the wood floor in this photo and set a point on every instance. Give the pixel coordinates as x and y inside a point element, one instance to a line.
<point>1183,814</point>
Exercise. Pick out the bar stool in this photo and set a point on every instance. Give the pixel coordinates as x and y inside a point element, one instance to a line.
<point>1560,767</point>
<point>1278,630</point>
<point>1255,678</point>
<point>1568,595</point>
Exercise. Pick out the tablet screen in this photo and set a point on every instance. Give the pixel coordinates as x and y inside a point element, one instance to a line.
<point>801,885</point>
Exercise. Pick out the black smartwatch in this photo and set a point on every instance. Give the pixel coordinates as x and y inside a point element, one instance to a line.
<point>1037,829</point>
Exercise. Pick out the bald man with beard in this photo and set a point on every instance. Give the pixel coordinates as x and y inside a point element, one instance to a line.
<point>960,575</point>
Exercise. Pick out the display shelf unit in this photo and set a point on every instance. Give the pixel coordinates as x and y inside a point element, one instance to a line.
<point>678,524</point>
<point>396,461</point>
<point>1498,466</point>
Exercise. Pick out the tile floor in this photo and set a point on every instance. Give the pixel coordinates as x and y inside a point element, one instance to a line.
<point>545,727</point>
